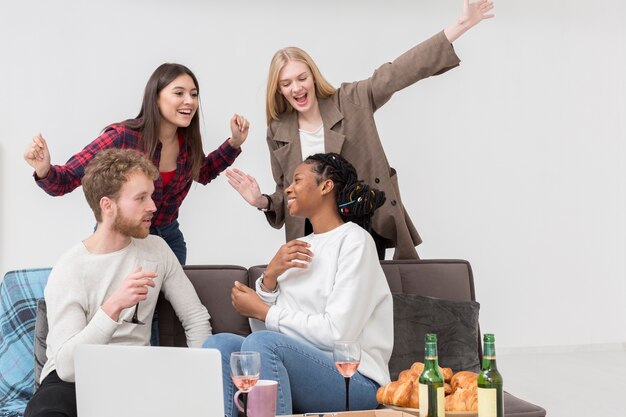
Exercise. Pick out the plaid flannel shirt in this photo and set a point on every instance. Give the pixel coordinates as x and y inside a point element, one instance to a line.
<point>63,179</point>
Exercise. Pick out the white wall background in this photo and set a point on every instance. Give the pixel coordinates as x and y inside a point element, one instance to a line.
<point>514,161</point>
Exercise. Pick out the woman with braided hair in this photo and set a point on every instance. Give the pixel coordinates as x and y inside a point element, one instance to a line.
<point>324,287</point>
<point>356,201</point>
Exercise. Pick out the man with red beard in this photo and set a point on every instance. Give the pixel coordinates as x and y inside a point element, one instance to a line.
<point>103,289</point>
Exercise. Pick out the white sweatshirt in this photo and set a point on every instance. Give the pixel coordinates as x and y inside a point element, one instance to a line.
<point>342,295</point>
<point>80,283</point>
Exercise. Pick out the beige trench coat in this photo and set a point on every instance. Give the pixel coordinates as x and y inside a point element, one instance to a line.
<point>350,130</point>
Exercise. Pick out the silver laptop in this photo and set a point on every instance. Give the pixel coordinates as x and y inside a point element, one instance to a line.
<point>138,381</point>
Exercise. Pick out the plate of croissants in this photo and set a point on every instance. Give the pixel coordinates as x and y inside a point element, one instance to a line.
<point>461,390</point>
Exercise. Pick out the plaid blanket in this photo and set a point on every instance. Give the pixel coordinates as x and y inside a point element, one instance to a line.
<point>19,292</point>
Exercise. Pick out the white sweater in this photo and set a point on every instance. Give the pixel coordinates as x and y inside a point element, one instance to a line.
<point>79,284</point>
<point>342,295</point>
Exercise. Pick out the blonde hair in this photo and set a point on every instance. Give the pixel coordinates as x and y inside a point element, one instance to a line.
<point>275,103</point>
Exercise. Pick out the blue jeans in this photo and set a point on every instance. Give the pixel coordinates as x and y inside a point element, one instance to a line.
<point>176,241</point>
<point>174,238</point>
<point>307,378</point>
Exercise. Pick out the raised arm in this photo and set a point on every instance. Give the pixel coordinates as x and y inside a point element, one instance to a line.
<point>37,155</point>
<point>224,156</point>
<point>61,179</point>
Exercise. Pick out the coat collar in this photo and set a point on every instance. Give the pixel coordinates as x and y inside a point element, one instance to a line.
<point>287,126</point>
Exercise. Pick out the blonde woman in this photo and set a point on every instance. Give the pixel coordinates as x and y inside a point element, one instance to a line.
<point>307,115</point>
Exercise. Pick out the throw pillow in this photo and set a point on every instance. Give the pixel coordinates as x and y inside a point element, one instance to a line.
<point>454,322</point>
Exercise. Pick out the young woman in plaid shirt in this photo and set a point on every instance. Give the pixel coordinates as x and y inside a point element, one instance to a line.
<point>167,129</point>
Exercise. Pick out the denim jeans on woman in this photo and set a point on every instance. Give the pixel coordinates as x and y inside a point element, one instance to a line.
<point>307,378</point>
<point>174,238</point>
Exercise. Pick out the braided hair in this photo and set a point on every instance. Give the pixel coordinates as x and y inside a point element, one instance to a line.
<point>356,201</point>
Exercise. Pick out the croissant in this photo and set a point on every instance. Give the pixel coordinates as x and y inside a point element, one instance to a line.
<point>414,397</point>
<point>405,391</point>
<point>463,399</point>
<point>464,379</point>
<point>408,375</point>
<point>395,393</point>
<point>447,373</point>
<point>418,367</point>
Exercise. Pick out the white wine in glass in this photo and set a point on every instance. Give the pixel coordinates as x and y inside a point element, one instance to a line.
<point>347,357</point>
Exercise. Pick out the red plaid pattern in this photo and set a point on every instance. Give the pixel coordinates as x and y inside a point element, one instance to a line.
<point>63,179</point>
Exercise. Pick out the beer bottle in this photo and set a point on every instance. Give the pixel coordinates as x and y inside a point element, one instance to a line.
<point>490,400</point>
<point>431,391</point>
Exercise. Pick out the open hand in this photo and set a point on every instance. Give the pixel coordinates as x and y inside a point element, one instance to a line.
<point>239,126</point>
<point>37,156</point>
<point>247,187</point>
<point>473,13</point>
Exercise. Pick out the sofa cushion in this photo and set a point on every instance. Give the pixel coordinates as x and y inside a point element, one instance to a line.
<point>454,322</point>
<point>213,284</point>
<point>19,292</point>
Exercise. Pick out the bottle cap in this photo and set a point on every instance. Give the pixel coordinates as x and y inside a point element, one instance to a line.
<point>489,338</point>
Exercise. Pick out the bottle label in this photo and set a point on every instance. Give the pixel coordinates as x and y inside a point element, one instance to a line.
<point>487,402</point>
<point>425,404</point>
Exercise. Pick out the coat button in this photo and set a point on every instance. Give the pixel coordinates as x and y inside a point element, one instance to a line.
<point>393,202</point>
<point>377,180</point>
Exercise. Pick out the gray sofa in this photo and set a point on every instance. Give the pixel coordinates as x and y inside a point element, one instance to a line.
<point>442,279</point>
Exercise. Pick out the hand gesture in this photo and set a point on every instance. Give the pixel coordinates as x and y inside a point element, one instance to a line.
<point>247,302</point>
<point>239,126</point>
<point>293,254</point>
<point>473,13</point>
<point>37,156</point>
<point>133,289</point>
<point>247,187</point>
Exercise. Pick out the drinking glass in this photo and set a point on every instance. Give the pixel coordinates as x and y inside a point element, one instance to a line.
<point>245,368</point>
<point>146,265</point>
<point>347,356</point>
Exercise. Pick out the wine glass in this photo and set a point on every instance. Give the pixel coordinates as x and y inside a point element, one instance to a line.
<point>145,265</point>
<point>245,368</point>
<point>347,356</point>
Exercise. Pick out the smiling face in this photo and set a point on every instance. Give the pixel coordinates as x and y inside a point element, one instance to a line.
<point>178,102</point>
<point>296,84</point>
<point>134,206</point>
<point>305,194</point>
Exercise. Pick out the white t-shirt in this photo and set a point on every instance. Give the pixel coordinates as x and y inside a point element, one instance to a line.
<point>342,295</point>
<point>81,281</point>
<point>312,142</point>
